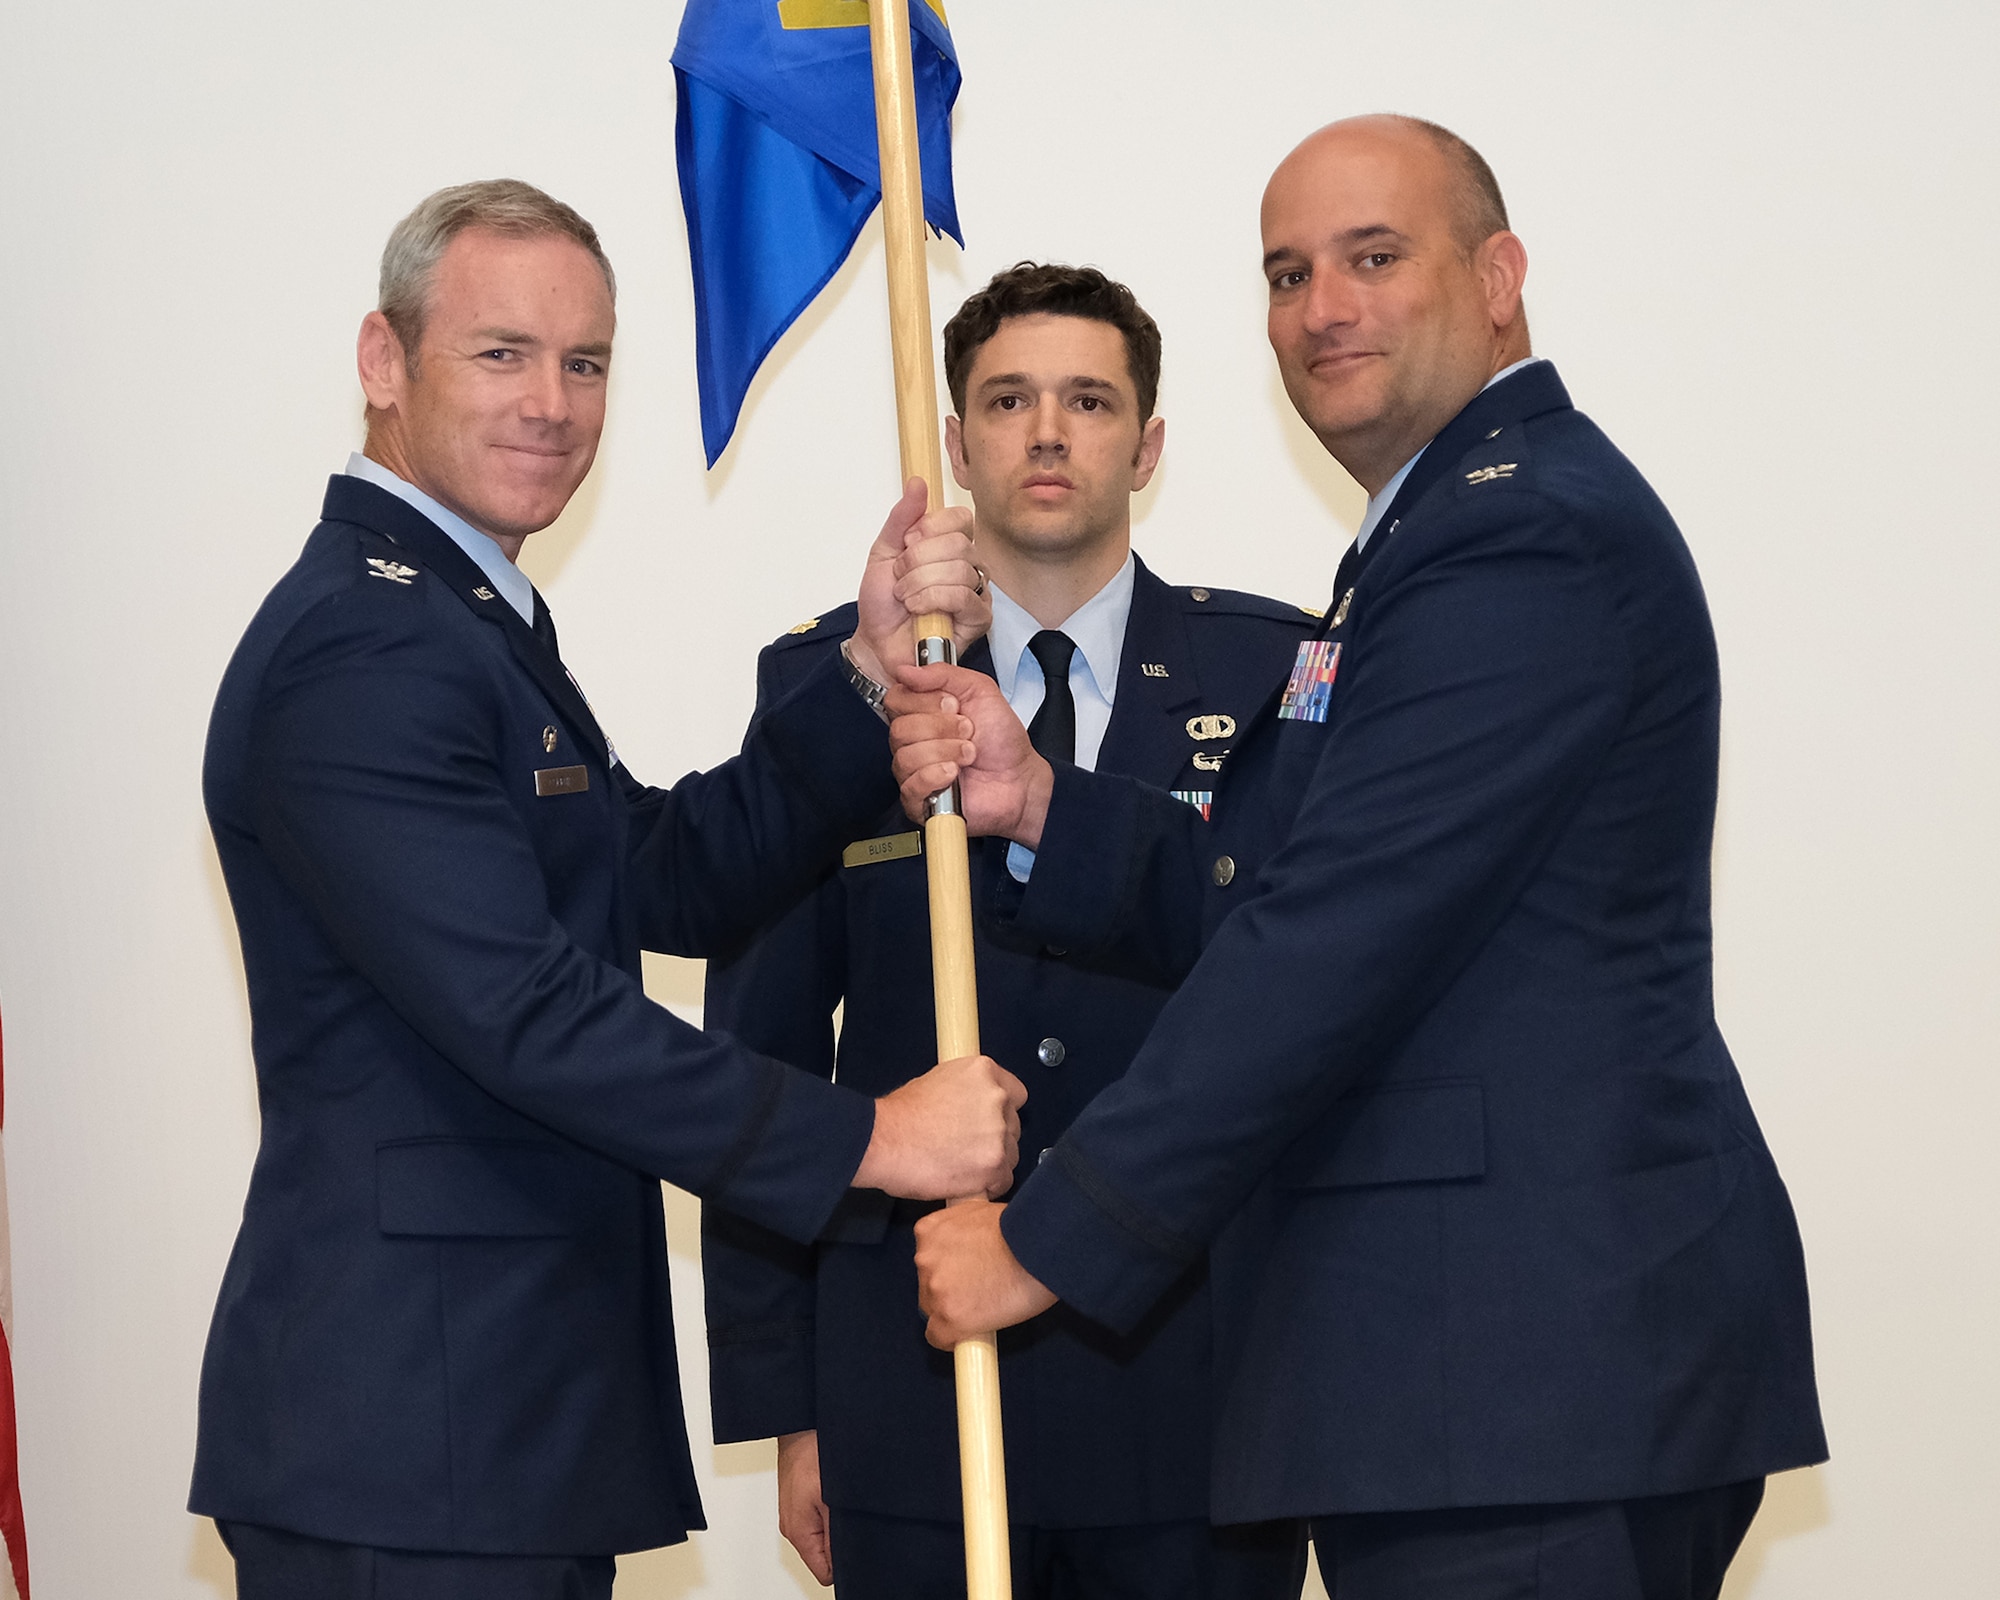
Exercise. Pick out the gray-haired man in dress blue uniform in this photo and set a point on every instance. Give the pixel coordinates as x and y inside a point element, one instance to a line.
<point>442,1360</point>
<point>1512,1298</point>
<point>1053,373</point>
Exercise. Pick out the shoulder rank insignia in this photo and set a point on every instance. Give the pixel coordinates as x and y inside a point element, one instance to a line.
<point>1312,611</point>
<point>1215,725</point>
<point>1487,474</point>
<point>805,627</point>
<point>1340,611</point>
<point>394,571</point>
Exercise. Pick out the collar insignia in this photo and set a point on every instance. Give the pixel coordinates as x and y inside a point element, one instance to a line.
<point>482,593</point>
<point>394,571</point>
<point>1153,669</point>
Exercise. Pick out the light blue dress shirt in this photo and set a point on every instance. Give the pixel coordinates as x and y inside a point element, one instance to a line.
<point>509,580</point>
<point>1097,629</point>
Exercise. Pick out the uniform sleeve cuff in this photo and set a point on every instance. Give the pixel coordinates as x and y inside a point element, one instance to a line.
<point>1087,1246</point>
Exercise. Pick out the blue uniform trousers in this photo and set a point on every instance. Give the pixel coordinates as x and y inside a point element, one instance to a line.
<point>905,1558</point>
<point>1662,1547</point>
<point>272,1564</point>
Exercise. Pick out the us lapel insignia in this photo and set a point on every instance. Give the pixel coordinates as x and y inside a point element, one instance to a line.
<point>394,571</point>
<point>1214,725</point>
<point>1340,611</point>
<point>1487,474</point>
<point>1309,691</point>
<point>549,737</point>
<point>1209,760</point>
<point>482,593</point>
<point>1153,669</point>
<point>1203,800</point>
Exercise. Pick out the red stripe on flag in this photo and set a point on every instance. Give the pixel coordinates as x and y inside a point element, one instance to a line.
<point>12,1528</point>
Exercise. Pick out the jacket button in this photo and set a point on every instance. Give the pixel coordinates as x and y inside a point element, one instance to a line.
<point>1050,1052</point>
<point>1054,950</point>
<point>1223,870</point>
<point>1197,594</point>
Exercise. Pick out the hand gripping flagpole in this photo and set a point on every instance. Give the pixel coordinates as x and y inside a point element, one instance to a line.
<point>981,1464</point>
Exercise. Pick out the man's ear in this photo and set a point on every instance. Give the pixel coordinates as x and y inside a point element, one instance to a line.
<point>378,356</point>
<point>1152,440</point>
<point>1503,268</point>
<point>954,450</point>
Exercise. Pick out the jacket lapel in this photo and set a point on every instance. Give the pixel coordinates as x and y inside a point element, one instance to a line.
<point>1530,392</point>
<point>1146,737</point>
<point>355,501</point>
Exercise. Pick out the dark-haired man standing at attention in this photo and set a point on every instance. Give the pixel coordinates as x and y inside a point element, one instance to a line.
<point>1512,1298</point>
<point>1053,373</point>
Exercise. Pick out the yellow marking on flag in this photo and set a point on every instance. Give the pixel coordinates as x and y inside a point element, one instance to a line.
<point>794,14</point>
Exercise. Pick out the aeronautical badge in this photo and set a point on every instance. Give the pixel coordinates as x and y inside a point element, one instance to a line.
<point>1201,799</point>
<point>394,571</point>
<point>1309,690</point>
<point>1212,725</point>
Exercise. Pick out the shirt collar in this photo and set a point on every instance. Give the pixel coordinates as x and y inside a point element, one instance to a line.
<point>1380,502</point>
<point>1096,628</point>
<point>510,580</point>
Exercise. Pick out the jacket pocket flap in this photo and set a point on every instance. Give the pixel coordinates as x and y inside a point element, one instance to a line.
<point>475,1188</point>
<point>1411,1133</point>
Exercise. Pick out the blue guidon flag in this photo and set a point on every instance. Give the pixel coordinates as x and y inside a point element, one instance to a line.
<point>779,167</point>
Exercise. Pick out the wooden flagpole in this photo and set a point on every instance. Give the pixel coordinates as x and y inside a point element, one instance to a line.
<point>981,1463</point>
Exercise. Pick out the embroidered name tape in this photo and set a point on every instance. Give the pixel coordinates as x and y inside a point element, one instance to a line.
<point>1309,690</point>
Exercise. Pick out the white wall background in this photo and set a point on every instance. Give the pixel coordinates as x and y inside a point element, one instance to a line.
<point>1763,241</point>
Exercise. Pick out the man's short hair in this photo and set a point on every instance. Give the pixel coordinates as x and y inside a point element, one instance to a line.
<point>1029,289</point>
<point>1477,210</point>
<point>500,205</point>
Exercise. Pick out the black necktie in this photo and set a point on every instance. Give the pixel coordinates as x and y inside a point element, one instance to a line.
<point>545,625</point>
<point>1053,732</point>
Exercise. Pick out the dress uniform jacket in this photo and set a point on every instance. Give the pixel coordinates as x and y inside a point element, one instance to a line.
<point>1492,1220</point>
<point>445,1323</point>
<point>1100,1428</point>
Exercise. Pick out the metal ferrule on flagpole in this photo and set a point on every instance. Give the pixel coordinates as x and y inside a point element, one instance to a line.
<point>982,1465</point>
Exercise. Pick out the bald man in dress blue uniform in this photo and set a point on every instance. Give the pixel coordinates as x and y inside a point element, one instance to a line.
<point>442,1360</point>
<point>1512,1296</point>
<point>1053,373</point>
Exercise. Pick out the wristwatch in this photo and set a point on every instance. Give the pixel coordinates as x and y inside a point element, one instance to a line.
<point>871,692</point>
